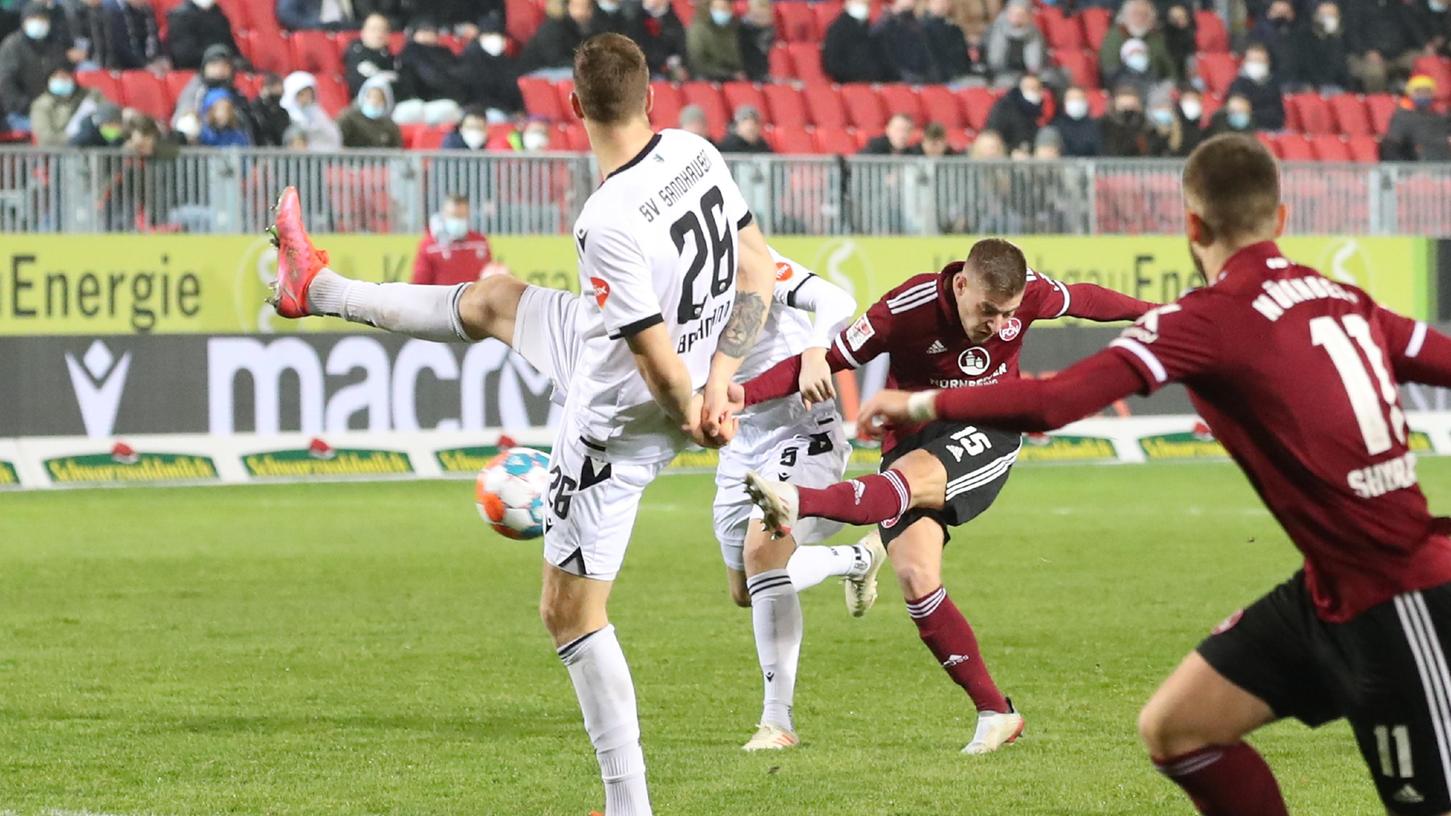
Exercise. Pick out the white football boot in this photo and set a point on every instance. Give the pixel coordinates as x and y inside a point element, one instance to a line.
<point>778,500</point>
<point>994,730</point>
<point>861,590</point>
<point>771,737</point>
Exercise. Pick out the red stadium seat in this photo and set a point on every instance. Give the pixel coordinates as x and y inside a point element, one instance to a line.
<point>960,139</point>
<point>835,140</point>
<point>332,94</point>
<point>239,16</point>
<point>710,100</point>
<point>668,102</point>
<point>1096,23</point>
<point>249,85</point>
<point>779,62</point>
<point>1210,34</point>
<point>1212,104</point>
<point>897,98</point>
<point>410,134</point>
<point>1364,148</point>
<point>431,137</point>
<point>1082,66</point>
<point>738,94</point>
<point>796,22</point>
<point>396,41</point>
<point>266,50</point>
<point>524,18</point>
<point>1330,148</point>
<point>1218,71</point>
<point>1382,107</point>
<point>1312,114</point>
<point>1270,142</point>
<point>861,137</point>
<point>976,103</point>
<point>792,140</point>
<point>806,57</point>
<point>864,109</point>
<point>1294,147</point>
<point>941,105</point>
<point>826,13</point>
<point>540,99</point>
<point>785,105</point>
<point>685,10</point>
<point>1351,115</point>
<point>1438,69</point>
<point>824,105</point>
<point>146,92</point>
<point>1060,31</point>
<point>576,137</point>
<point>1098,103</point>
<point>261,15</point>
<point>105,83</point>
<point>562,89</point>
<point>315,52</point>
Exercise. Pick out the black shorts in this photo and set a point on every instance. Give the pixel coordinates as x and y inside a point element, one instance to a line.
<point>977,462</point>
<point>1385,671</point>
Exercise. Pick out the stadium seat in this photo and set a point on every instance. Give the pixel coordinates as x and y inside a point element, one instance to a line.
<point>104,82</point>
<point>792,140</point>
<point>806,58</point>
<point>1294,147</point>
<point>976,103</point>
<point>176,81</point>
<point>738,94</point>
<point>960,139</point>
<point>861,137</point>
<point>1382,107</point>
<point>332,94</point>
<point>1270,142</point>
<point>1212,103</point>
<point>1218,70</point>
<point>1210,32</point>
<point>540,99</point>
<point>668,102</point>
<point>709,98</point>
<point>431,137</point>
<point>685,10</point>
<point>1098,103</point>
<point>941,105</point>
<point>261,15</point>
<point>524,18</point>
<point>146,92</point>
<point>562,89</point>
<point>266,50</point>
<point>826,13</point>
<point>575,137</point>
<point>1311,114</point>
<point>779,62</point>
<point>1351,115</point>
<point>240,16</point>
<point>864,109</point>
<point>836,141</point>
<point>1330,148</point>
<point>396,41</point>
<point>898,98</point>
<point>249,85</point>
<point>1082,66</point>
<point>1096,22</point>
<point>785,105</point>
<point>1363,148</point>
<point>1438,69</point>
<point>315,52</point>
<point>824,105</point>
<point>410,134</point>
<point>1060,31</point>
<point>796,22</point>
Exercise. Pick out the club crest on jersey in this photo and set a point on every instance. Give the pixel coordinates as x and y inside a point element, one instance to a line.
<point>602,290</point>
<point>858,333</point>
<point>975,361</point>
<point>783,271</point>
<point>1010,329</point>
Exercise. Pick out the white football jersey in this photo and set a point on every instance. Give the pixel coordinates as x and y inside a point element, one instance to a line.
<point>657,243</point>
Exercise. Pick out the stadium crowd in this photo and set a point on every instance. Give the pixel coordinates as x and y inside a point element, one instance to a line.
<point>1355,80</point>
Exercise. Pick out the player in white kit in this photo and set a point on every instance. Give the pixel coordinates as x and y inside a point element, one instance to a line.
<point>801,441</point>
<point>676,281</point>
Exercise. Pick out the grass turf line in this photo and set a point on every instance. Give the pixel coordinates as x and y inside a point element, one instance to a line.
<point>371,648</point>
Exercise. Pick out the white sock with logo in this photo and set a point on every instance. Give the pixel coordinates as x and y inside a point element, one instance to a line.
<point>425,312</point>
<point>607,699</point>
<point>810,565</point>
<point>776,617</point>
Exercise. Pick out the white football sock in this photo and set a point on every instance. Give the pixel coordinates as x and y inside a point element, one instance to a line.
<point>425,312</point>
<point>810,565</point>
<point>607,698</point>
<point>776,617</point>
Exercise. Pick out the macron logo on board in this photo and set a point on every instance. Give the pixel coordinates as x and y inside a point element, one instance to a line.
<point>98,379</point>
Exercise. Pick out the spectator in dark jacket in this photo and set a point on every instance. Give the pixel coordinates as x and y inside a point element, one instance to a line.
<point>947,43</point>
<point>1383,42</point>
<point>1138,20</point>
<point>1319,58</point>
<point>459,16</point>
<point>1433,20</point>
<point>1276,32</point>
<point>103,128</point>
<point>472,132</point>
<point>1258,84</point>
<point>192,28</point>
<point>661,35</point>
<point>850,53</point>
<point>368,56</point>
<point>428,79</point>
<point>135,36</point>
<point>713,43</point>
<point>1077,126</point>
<point>1015,116</point>
<point>90,25</point>
<point>1125,129</point>
<point>315,15</point>
<point>1015,46</point>
<point>551,50</point>
<point>489,76</point>
<point>1136,69</point>
<point>1170,136</point>
<point>217,72</point>
<point>904,42</point>
<point>610,18</point>
<point>1237,116</point>
<point>269,119</point>
<point>220,125</point>
<point>1180,35</point>
<point>758,34</point>
<point>934,143</point>
<point>745,136</point>
<point>895,141</point>
<point>27,57</point>
<point>367,122</point>
<point>1417,132</point>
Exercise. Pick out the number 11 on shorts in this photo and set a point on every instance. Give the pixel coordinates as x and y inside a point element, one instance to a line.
<point>1393,746</point>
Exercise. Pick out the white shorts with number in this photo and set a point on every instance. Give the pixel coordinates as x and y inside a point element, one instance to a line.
<point>593,499</point>
<point>787,442</point>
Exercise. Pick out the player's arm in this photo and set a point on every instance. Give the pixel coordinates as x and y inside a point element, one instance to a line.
<point>663,371</point>
<point>852,347</point>
<point>831,308</point>
<point>755,279</point>
<point>1418,353</point>
<point>1090,301</point>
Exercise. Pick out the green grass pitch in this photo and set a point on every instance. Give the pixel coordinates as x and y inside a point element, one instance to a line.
<point>371,648</point>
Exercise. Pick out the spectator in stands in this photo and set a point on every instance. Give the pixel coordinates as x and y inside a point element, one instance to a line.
<point>988,146</point>
<point>1417,132</point>
<point>1135,68</point>
<point>1319,56</point>
<point>316,15</point>
<point>895,141</point>
<point>135,37</point>
<point>472,132</point>
<point>1015,46</point>
<point>692,120</point>
<point>103,128</point>
<point>52,113</point>
<point>1079,130</point>
<point>270,120</point>
<point>26,58</point>
<point>758,34</point>
<point>368,122</point>
<point>850,53</point>
<point>488,75</point>
<point>368,55</point>
<point>299,99</point>
<point>1383,40</point>
<point>934,143</point>
<point>1015,116</point>
<point>90,25</point>
<point>1434,21</point>
<point>1125,129</point>
<point>534,138</point>
<point>550,52</point>
<point>1276,32</point>
<point>1191,115</point>
<point>975,17</point>
<point>220,126</point>
<point>1237,116</point>
<point>1167,134</point>
<point>428,79</point>
<point>610,18</point>
<point>452,251</point>
<point>948,45</point>
<point>745,135</point>
<point>217,72</point>
<point>1180,34</point>
<point>461,17</point>
<point>713,43</point>
<point>295,139</point>
<point>661,35</point>
<point>1048,144</point>
<point>904,42</point>
<point>1257,83</point>
<point>1137,20</point>
<point>192,28</point>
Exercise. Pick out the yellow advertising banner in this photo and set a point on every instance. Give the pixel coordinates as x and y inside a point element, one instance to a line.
<point>141,284</point>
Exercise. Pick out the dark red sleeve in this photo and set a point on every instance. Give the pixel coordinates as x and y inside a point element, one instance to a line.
<point>1086,387</point>
<point>1418,353</point>
<point>1093,302</point>
<point>784,378</point>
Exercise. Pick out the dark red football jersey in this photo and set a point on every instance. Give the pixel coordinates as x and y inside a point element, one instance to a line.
<point>1296,376</point>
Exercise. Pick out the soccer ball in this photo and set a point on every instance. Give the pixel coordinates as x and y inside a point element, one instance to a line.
<point>509,492</point>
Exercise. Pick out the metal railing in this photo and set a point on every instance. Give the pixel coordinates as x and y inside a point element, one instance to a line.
<point>232,191</point>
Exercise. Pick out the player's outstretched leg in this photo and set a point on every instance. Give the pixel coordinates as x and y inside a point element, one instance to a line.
<point>915,480</point>
<point>305,286</point>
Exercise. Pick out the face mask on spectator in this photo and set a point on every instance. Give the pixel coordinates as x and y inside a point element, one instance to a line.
<point>1436,7</point>
<point>1076,108</point>
<point>720,17</point>
<point>110,132</point>
<point>204,4</point>
<point>1192,109</point>
<point>61,87</point>
<point>455,227</point>
<point>371,110</point>
<point>36,28</point>
<point>493,44</point>
<point>1239,120</point>
<point>1032,97</point>
<point>1136,30</point>
<point>609,6</point>
<point>859,11</point>
<point>1163,117</point>
<point>1422,102</point>
<point>1257,70</point>
<point>473,137</point>
<point>535,141</point>
<point>1138,62</point>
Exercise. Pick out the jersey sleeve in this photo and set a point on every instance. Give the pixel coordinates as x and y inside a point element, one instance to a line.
<point>1051,298</point>
<point>800,288</point>
<point>1168,344</point>
<point>1418,353</point>
<point>620,275</point>
<point>864,339</point>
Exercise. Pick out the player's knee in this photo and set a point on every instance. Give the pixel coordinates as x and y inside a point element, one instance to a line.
<point>1166,735</point>
<point>488,304</point>
<point>916,577</point>
<point>740,596</point>
<point>561,619</point>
